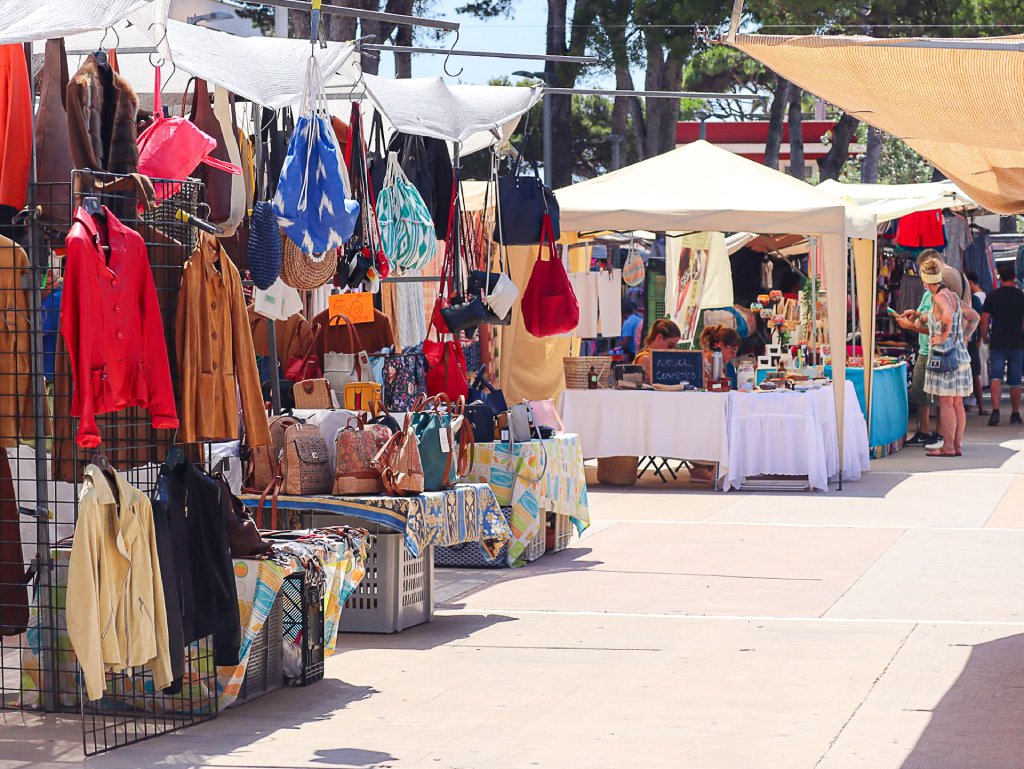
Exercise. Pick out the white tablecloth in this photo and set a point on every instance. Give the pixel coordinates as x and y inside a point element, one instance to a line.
<point>683,425</point>
<point>748,434</point>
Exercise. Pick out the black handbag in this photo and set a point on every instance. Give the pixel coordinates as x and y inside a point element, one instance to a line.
<point>522,203</point>
<point>459,317</point>
<point>481,420</point>
<point>484,392</point>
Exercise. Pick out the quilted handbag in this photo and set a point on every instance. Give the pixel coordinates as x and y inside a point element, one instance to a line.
<point>264,250</point>
<point>407,230</point>
<point>173,147</point>
<point>312,204</point>
<point>472,555</point>
<point>356,445</point>
<point>398,463</point>
<point>549,305</point>
<point>304,466</point>
<point>313,394</point>
<point>404,379</point>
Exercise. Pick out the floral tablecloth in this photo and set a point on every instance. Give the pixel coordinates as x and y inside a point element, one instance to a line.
<point>257,583</point>
<point>467,513</point>
<point>533,478</point>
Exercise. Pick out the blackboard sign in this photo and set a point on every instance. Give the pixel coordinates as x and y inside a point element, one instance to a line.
<point>670,367</point>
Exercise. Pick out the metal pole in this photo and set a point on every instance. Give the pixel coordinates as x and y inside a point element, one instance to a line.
<point>547,138</point>
<point>656,94</point>
<point>281,22</point>
<point>485,54</point>
<point>390,18</point>
<point>40,262</point>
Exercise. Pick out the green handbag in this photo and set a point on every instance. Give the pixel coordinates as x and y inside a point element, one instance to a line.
<point>406,227</point>
<point>432,425</point>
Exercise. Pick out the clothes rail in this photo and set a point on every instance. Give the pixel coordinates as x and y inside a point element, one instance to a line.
<point>484,54</point>
<point>392,18</point>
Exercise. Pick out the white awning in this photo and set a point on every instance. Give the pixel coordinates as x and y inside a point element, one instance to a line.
<point>455,113</point>
<point>24,21</point>
<point>891,201</point>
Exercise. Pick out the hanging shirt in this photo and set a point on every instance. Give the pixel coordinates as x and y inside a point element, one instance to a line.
<point>922,229</point>
<point>958,238</point>
<point>111,324</point>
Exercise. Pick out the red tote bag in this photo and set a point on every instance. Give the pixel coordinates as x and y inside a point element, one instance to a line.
<point>173,147</point>
<point>549,304</point>
<point>446,361</point>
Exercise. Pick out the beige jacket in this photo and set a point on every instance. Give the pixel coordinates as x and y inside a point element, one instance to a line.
<point>115,602</point>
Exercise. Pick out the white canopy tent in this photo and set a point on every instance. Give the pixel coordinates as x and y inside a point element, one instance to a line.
<point>700,187</point>
<point>891,201</point>
<point>25,22</point>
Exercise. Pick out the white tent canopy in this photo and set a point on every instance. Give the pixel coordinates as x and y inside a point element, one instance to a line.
<point>891,201</point>
<point>700,187</point>
<point>470,114</point>
<point>24,21</point>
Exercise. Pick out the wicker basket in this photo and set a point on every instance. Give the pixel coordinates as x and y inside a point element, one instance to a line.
<point>577,371</point>
<point>617,471</point>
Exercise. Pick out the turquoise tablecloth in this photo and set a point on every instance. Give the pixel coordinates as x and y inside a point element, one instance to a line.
<point>889,410</point>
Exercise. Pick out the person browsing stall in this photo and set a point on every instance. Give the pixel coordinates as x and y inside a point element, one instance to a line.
<point>728,341</point>
<point>1002,328</point>
<point>664,335</point>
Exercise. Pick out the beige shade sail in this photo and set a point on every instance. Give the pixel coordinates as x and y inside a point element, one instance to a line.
<point>960,106</point>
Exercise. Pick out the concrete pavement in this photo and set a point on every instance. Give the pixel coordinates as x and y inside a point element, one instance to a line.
<point>877,628</point>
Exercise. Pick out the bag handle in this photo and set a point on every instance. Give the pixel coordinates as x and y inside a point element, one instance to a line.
<point>547,237</point>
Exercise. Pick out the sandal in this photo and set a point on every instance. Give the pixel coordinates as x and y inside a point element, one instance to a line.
<point>940,453</point>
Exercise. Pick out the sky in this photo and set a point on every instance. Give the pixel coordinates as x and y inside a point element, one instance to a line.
<point>524,32</point>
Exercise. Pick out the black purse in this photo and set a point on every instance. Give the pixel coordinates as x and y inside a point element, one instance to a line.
<point>459,317</point>
<point>522,203</point>
<point>484,392</point>
<point>481,420</point>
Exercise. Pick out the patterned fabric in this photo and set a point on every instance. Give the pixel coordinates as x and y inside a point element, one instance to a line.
<point>472,555</point>
<point>467,513</point>
<point>311,202</point>
<point>541,476</point>
<point>356,448</point>
<point>404,379</point>
<point>257,583</point>
<point>959,382</point>
<point>406,226</point>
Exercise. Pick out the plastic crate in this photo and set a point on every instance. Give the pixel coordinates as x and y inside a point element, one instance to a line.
<point>397,591</point>
<point>264,672</point>
<point>564,530</point>
<point>303,622</point>
<point>537,545</point>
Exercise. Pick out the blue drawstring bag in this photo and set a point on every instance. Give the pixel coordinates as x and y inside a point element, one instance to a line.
<point>313,206</point>
<point>264,246</point>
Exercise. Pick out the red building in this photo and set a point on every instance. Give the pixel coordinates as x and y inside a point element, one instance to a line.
<point>748,139</point>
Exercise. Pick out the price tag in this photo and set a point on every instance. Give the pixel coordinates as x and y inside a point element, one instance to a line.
<point>357,307</point>
<point>445,446</point>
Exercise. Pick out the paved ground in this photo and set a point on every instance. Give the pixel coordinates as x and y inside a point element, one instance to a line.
<point>877,628</point>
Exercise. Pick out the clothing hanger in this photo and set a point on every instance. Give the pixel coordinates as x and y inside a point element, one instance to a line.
<point>100,460</point>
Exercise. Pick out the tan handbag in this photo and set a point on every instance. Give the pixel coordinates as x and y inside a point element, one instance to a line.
<point>399,463</point>
<point>313,394</point>
<point>306,271</point>
<point>265,461</point>
<point>223,110</point>
<point>355,446</point>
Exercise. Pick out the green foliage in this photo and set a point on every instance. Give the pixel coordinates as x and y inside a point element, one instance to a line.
<point>487,9</point>
<point>262,16</point>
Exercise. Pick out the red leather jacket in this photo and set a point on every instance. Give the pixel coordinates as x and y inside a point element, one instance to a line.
<point>111,322</point>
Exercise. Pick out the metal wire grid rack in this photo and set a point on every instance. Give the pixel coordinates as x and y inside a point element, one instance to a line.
<point>42,466</point>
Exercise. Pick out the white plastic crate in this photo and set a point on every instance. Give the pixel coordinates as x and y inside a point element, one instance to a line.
<point>397,591</point>
<point>564,530</point>
<point>537,545</point>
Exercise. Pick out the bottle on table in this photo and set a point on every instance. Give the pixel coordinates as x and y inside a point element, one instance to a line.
<point>592,379</point>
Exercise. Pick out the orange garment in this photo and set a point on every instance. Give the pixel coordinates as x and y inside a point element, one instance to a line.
<point>15,126</point>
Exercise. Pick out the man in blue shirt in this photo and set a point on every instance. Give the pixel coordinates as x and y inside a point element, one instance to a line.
<point>632,329</point>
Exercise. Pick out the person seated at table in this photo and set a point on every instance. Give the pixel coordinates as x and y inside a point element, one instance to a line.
<point>728,341</point>
<point>664,335</point>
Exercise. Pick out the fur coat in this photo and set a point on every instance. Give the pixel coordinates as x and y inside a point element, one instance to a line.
<point>102,110</point>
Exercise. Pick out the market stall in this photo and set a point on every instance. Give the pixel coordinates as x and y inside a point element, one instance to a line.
<point>735,194</point>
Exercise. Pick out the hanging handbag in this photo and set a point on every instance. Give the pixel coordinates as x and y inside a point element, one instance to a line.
<point>306,271</point>
<point>356,445</point>
<point>173,147</point>
<point>446,367</point>
<point>523,202</point>
<point>404,379</point>
<point>217,180</point>
<point>302,367</point>
<point>369,243</point>
<point>341,368</point>
<point>398,463</point>
<point>313,394</point>
<point>549,305</point>
<point>470,314</point>
<point>265,248</point>
<point>224,110</point>
<point>407,231</point>
<point>633,269</point>
<point>428,166</point>
<point>311,201</point>
<point>53,153</point>
<point>496,289</point>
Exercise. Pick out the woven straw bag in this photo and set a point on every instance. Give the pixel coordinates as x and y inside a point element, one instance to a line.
<point>306,271</point>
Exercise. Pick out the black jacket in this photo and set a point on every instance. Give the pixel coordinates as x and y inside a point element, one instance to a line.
<point>205,571</point>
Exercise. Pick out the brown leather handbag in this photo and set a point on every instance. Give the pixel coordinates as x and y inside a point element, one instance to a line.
<point>399,463</point>
<point>53,154</point>
<point>243,535</point>
<point>265,461</point>
<point>218,183</point>
<point>313,394</point>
